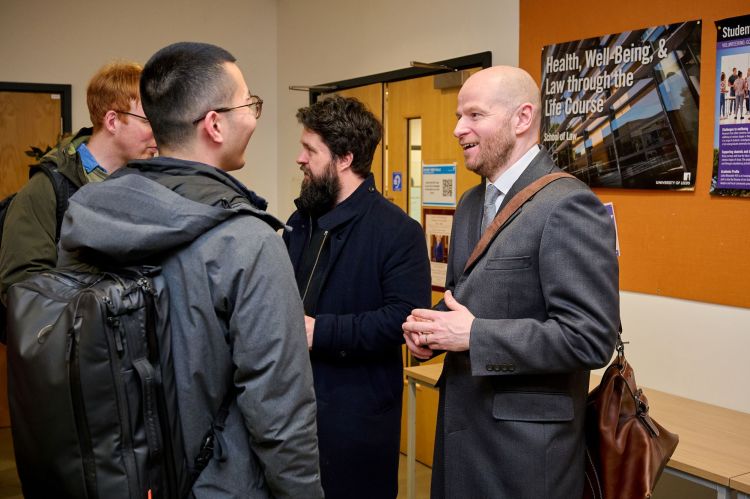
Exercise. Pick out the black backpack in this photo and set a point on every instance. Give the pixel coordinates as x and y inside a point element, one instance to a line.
<point>63,188</point>
<point>91,387</point>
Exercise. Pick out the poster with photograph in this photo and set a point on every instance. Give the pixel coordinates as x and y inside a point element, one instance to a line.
<point>731,169</point>
<point>437,229</point>
<point>621,110</point>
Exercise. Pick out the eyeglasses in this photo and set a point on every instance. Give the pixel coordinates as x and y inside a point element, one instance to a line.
<point>257,103</point>
<point>145,120</point>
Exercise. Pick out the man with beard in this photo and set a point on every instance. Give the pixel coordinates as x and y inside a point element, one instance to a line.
<point>529,319</point>
<point>361,266</point>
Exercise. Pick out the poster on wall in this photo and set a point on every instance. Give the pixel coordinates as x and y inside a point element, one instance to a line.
<point>621,110</point>
<point>439,185</point>
<point>731,166</point>
<point>437,229</point>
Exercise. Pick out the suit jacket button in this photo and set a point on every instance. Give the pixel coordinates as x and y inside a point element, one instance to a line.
<point>490,367</point>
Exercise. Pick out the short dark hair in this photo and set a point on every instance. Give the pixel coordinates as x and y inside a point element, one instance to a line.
<point>181,82</point>
<point>345,126</point>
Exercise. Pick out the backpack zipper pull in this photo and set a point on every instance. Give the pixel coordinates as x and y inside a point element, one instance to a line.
<point>114,323</point>
<point>69,346</point>
<point>145,285</point>
<point>117,325</point>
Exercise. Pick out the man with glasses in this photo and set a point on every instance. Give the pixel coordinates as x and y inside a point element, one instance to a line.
<point>236,320</point>
<point>120,133</point>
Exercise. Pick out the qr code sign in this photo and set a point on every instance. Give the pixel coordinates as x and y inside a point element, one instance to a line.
<point>447,187</point>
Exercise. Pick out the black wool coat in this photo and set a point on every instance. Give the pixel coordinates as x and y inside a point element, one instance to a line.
<point>377,271</point>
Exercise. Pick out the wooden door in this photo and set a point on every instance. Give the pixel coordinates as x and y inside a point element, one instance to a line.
<point>26,119</point>
<point>372,97</point>
<point>414,99</point>
<point>409,103</point>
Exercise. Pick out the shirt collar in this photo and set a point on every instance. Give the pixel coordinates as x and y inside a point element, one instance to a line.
<point>505,181</point>
<point>88,160</point>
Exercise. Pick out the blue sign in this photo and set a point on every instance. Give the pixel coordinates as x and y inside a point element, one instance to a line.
<point>396,183</point>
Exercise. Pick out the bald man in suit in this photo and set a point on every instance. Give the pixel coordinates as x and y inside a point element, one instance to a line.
<point>525,324</point>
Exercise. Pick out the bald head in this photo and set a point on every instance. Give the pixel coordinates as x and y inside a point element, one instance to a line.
<point>508,86</point>
<point>498,119</point>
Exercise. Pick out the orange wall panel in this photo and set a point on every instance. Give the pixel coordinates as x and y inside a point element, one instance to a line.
<point>687,245</point>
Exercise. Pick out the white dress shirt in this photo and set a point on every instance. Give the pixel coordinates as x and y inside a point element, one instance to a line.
<point>505,181</point>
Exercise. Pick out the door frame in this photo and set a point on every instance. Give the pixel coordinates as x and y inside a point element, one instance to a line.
<point>483,59</point>
<point>63,90</point>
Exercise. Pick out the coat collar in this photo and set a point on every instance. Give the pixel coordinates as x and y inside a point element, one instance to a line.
<point>65,156</point>
<point>199,182</point>
<point>541,165</point>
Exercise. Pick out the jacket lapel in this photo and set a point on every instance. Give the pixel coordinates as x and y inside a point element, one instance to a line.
<point>541,165</point>
<point>475,212</point>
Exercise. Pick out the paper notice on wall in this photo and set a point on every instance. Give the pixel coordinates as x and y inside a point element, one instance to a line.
<point>611,210</point>
<point>439,185</point>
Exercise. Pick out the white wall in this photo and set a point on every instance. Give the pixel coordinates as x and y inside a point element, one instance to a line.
<point>329,40</point>
<point>692,349</point>
<point>48,41</point>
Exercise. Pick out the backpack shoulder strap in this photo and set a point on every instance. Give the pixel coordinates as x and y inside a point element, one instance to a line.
<point>4,205</point>
<point>512,207</point>
<point>213,443</point>
<point>63,187</point>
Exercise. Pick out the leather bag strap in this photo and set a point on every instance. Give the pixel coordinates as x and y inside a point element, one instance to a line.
<point>513,205</point>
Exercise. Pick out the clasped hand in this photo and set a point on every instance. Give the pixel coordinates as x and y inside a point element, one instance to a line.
<point>426,330</point>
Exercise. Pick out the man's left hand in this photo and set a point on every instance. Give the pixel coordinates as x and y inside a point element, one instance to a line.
<point>309,329</point>
<point>441,330</point>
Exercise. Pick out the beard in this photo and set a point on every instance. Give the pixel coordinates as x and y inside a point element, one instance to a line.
<point>318,195</point>
<point>494,153</point>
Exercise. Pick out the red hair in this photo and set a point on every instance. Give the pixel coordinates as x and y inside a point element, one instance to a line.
<point>113,87</point>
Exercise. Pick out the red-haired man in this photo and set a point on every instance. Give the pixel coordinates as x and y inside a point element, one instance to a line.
<point>120,132</point>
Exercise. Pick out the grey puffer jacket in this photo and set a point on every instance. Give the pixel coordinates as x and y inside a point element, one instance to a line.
<point>235,312</point>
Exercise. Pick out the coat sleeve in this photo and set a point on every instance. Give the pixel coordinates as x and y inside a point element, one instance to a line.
<point>273,373</point>
<point>28,243</point>
<point>578,277</point>
<point>405,285</point>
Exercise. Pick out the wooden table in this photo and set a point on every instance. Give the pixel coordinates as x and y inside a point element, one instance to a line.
<point>742,485</point>
<point>714,448</point>
<point>714,442</point>
<point>426,375</point>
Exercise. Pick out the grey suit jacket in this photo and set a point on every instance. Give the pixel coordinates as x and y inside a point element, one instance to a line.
<point>545,297</point>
